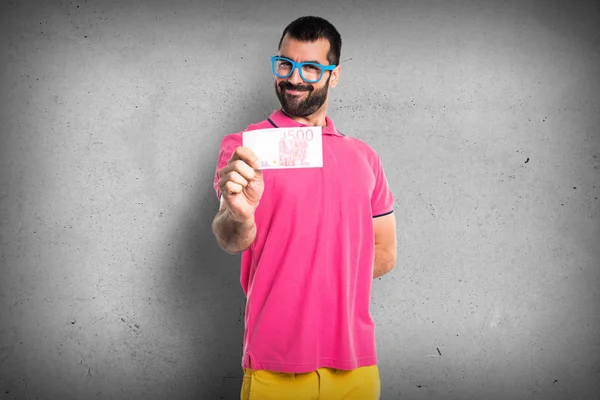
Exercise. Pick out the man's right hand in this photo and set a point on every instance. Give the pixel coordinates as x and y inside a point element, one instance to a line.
<point>241,184</point>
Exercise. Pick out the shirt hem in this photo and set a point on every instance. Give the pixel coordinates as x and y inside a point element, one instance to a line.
<point>285,367</point>
<point>381,214</point>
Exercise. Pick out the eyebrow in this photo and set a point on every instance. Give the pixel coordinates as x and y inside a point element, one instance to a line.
<point>311,61</point>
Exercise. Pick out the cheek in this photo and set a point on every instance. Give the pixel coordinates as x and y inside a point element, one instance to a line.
<point>318,87</point>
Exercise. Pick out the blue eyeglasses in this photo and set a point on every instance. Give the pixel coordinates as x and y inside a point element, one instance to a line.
<point>310,72</point>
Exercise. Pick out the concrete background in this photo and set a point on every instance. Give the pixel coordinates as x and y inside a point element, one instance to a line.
<point>485,114</point>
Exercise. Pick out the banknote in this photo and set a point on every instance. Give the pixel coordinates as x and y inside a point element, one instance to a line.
<point>282,148</point>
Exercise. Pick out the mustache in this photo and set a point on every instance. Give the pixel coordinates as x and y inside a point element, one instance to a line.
<point>288,86</point>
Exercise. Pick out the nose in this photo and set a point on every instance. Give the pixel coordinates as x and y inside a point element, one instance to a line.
<point>295,78</point>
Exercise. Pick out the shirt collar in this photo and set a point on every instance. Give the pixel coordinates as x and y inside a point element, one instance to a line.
<point>284,121</point>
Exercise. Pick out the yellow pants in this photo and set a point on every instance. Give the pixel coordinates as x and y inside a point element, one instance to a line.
<point>323,384</point>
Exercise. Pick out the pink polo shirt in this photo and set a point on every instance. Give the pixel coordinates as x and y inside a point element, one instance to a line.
<point>307,276</point>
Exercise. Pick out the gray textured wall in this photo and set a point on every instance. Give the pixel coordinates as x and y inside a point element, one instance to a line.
<point>485,114</point>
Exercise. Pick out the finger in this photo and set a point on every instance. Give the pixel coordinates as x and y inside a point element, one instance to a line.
<point>235,177</point>
<point>231,188</point>
<point>245,170</point>
<point>240,167</point>
<point>223,182</point>
<point>245,154</point>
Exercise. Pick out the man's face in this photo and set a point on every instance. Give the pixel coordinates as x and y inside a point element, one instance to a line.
<point>297,97</point>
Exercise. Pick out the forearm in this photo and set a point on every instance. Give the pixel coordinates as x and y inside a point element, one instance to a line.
<point>233,236</point>
<point>384,262</point>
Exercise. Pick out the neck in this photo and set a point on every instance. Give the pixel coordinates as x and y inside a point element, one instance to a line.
<point>316,119</point>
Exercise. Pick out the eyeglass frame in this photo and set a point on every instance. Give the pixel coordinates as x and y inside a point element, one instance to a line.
<point>299,65</point>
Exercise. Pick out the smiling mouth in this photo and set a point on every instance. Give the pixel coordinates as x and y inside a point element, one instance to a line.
<point>295,92</point>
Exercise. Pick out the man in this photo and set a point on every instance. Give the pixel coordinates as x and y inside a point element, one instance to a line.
<point>312,239</point>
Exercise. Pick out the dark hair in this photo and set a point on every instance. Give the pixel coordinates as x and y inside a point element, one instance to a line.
<point>311,29</point>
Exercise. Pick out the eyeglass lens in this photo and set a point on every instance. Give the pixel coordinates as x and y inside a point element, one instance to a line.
<point>309,72</point>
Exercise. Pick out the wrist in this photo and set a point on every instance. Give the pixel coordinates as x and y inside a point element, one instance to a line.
<point>242,222</point>
<point>246,224</point>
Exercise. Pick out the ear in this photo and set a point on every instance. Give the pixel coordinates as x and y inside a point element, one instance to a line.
<point>335,76</point>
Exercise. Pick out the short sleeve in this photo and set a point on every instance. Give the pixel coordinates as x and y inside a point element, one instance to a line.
<point>228,146</point>
<point>382,199</point>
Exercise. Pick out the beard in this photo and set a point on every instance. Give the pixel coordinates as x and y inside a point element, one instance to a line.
<point>297,107</point>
